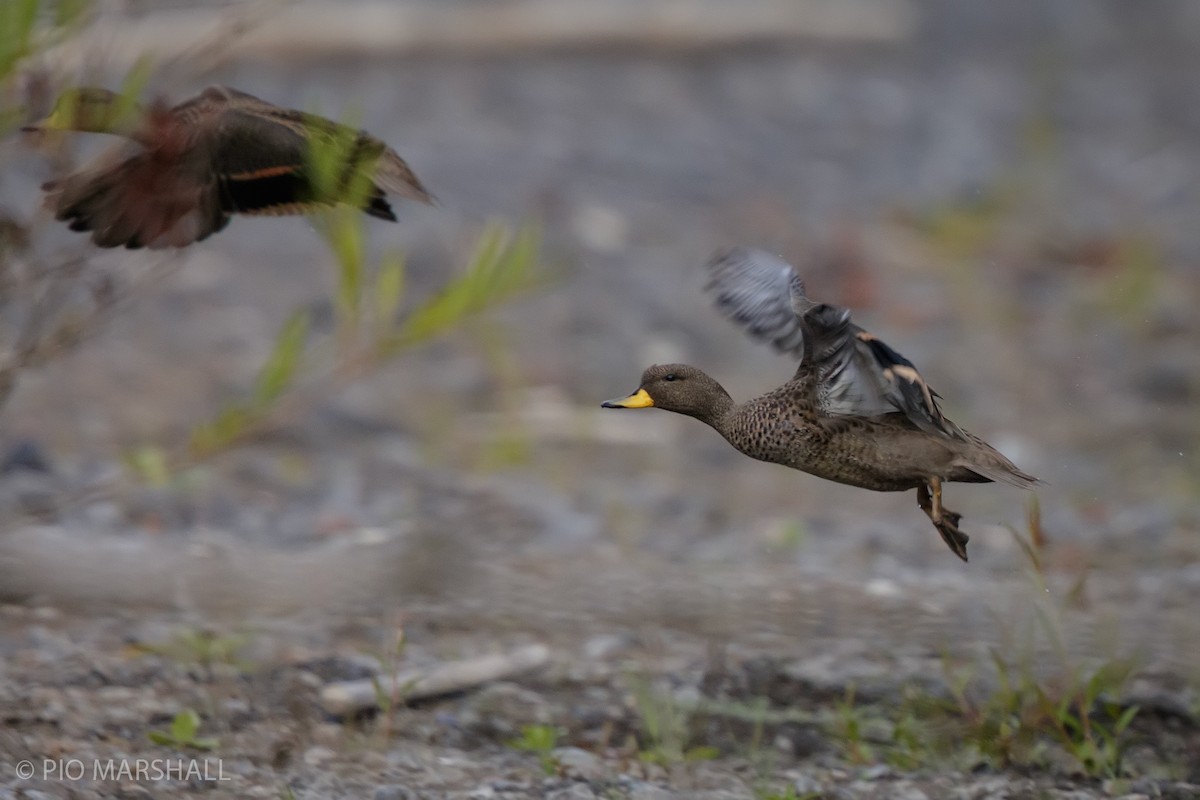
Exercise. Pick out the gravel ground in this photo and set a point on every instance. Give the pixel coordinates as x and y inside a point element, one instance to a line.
<point>1008,198</point>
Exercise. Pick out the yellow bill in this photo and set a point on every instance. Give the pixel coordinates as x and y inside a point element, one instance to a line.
<point>639,399</point>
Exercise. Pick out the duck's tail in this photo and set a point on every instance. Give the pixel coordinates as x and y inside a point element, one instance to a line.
<point>988,463</point>
<point>1006,474</point>
<point>394,176</point>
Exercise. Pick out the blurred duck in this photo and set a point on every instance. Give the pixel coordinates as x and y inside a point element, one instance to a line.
<point>188,168</point>
<point>856,411</point>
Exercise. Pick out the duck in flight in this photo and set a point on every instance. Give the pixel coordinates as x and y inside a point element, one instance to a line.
<point>184,170</point>
<point>856,411</point>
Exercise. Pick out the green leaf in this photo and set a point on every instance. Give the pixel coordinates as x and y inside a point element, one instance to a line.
<point>702,753</point>
<point>185,725</point>
<point>17,19</point>
<point>149,463</point>
<point>160,737</point>
<point>1125,719</point>
<point>230,423</point>
<point>341,164</point>
<point>280,369</point>
<point>136,80</point>
<point>346,239</point>
<point>500,267</point>
<point>503,265</point>
<point>328,147</point>
<point>1005,687</point>
<point>21,14</point>
<point>389,290</point>
<point>536,739</point>
<point>69,12</point>
<point>383,698</point>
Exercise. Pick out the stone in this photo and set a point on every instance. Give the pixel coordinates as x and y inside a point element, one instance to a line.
<point>394,791</point>
<point>576,791</point>
<point>575,762</point>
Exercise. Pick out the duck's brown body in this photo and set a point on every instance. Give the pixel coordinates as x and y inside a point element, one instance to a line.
<point>855,412</point>
<point>884,454</point>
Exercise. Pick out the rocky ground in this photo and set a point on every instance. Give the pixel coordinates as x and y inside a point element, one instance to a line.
<point>1006,197</point>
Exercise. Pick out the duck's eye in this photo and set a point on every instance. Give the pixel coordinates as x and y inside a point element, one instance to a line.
<point>671,376</point>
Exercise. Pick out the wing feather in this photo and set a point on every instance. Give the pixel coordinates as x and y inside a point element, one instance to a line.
<point>136,202</point>
<point>754,289</point>
<point>857,374</point>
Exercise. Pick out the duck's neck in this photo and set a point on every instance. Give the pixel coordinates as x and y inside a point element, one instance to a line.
<point>716,408</point>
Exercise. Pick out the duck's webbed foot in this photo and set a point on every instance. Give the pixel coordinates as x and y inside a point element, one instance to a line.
<point>943,519</point>
<point>955,539</point>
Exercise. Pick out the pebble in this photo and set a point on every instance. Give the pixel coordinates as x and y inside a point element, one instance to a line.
<point>575,762</point>
<point>328,733</point>
<point>902,792</point>
<point>805,785</point>
<point>394,791</point>
<point>605,645</point>
<point>1151,696</point>
<point>32,493</point>
<point>648,791</point>
<point>503,708</point>
<point>576,791</point>
<point>373,761</point>
<point>238,766</point>
<point>876,772</point>
<point>509,786</point>
<point>315,756</point>
<point>25,455</point>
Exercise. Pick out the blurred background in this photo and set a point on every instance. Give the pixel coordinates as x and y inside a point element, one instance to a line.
<point>1005,193</point>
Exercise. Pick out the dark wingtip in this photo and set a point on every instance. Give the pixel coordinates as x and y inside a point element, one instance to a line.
<point>381,209</point>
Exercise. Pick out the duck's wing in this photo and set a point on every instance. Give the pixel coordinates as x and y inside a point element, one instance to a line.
<point>756,290</point>
<point>857,374</point>
<point>127,199</point>
<point>264,154</point>
<point>259,155</point>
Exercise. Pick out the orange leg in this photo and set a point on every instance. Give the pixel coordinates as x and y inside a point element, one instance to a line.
<point>943,519</point>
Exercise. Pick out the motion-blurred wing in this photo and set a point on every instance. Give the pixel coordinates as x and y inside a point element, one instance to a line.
<point>756,290</point>
<point>133,201</point>
<point>857,374</point>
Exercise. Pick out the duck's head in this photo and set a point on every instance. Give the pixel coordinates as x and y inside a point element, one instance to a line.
<point>679,388</point>
<point>89,109</point>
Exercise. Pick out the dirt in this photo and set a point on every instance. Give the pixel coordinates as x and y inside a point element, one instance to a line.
<point>1007,198</point>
